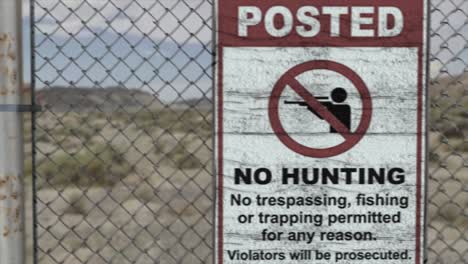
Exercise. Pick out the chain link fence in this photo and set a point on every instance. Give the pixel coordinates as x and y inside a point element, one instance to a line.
<point>122,148</point>
<point>447,205</point>
<point>123,144</point>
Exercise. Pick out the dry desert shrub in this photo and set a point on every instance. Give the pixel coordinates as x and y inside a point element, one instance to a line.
<point>101,165</point>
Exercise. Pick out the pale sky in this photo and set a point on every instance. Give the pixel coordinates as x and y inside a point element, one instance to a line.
<point>447,42</point>
<point>176,60</point>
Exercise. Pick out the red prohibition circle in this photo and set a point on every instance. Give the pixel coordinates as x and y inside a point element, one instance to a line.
<point>351,138</point>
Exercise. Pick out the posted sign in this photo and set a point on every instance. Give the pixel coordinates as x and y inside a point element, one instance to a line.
<point>320,123</point>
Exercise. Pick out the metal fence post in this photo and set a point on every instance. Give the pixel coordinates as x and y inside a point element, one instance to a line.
<point>11,136</point>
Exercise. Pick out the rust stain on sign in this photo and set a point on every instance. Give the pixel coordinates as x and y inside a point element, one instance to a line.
<point>3,181</point>
<point>11,157</point>
<point>11,206</point>
<point>8,65</point>
<point>10,185</point>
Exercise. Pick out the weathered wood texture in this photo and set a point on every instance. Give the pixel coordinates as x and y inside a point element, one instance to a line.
<point>249,74</point>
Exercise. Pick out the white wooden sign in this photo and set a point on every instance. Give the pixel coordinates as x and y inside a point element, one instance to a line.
<point>320,123</point>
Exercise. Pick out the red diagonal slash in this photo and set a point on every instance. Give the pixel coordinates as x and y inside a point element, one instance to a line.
<point>318,107</point>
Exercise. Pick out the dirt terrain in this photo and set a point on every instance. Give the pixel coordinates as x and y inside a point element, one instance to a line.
<point>123,179</point>
<point>448,171</point>
<point>109,187</point>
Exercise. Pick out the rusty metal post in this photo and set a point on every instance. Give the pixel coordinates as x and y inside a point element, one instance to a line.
<point>11,135</point>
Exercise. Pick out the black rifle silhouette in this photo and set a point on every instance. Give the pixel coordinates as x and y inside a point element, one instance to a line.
<point>304,103</point>
<point>341,111</point>
<point>326,103</point>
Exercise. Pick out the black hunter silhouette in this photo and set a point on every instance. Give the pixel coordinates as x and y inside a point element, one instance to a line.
<point>340,110</point>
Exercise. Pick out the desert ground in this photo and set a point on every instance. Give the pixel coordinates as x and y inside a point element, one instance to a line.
<point>123,179</point>
<point>447,203</point>
<point>121,185</point>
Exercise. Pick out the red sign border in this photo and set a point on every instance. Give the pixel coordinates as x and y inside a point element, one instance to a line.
<point>423,69</point>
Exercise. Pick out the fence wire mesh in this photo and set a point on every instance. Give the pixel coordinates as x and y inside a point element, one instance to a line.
<point>122,148</point>
<point>447,205</point>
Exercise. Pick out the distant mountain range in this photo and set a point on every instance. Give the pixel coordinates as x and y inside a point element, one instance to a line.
<point>61,98</point>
